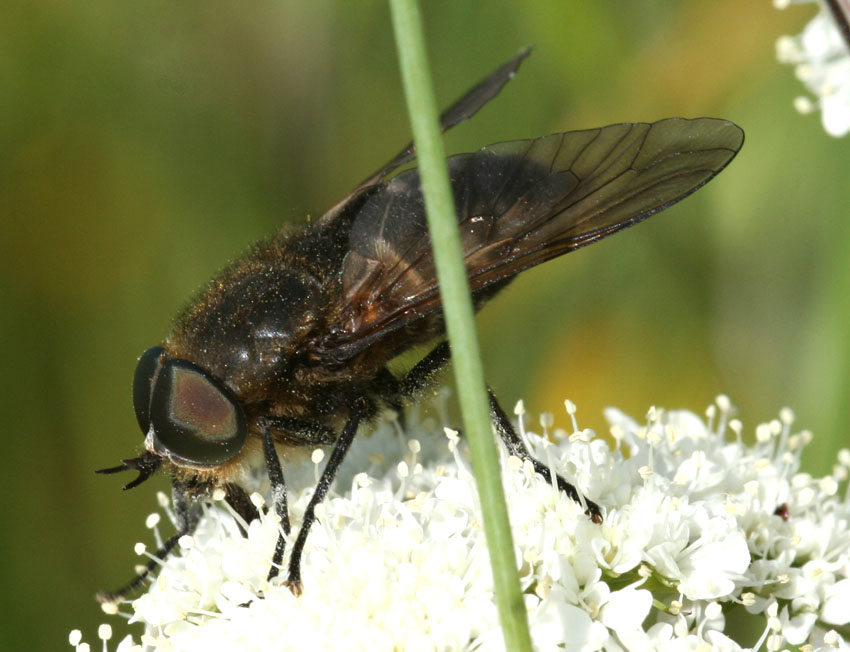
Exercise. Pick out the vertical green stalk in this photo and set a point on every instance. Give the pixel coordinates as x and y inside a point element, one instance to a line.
<point>460,317</point>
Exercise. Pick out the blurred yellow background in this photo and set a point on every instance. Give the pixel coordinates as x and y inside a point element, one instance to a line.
<point>142,145</point>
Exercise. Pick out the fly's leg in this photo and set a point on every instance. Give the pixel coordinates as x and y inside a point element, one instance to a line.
<point>424,372</point>
<point>362,409</point>
<point>517,447</point>
<point>303,433</point>
<point>422,375</point>
<point>188,515</point>
<point>279,503</point>
<point>240,502</point>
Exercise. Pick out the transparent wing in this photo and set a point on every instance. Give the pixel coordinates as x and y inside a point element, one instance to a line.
<point>519,204</point>
<point>462,110</point>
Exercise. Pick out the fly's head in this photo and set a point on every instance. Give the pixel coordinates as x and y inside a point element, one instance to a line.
<point>189,418</point>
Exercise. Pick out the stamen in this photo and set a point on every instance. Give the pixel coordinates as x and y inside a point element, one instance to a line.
<point>104,633</point>
<point>317,456</point>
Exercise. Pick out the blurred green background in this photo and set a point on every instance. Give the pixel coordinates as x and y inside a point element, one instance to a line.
<point>143,144</point>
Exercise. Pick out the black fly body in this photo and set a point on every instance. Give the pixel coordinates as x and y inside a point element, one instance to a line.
<point>289,346</point>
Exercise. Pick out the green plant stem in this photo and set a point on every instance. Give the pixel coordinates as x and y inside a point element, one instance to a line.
<point>460,318</point>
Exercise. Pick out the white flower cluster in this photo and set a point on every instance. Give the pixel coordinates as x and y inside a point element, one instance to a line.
<point>821,57</point>
<point>700,529</point>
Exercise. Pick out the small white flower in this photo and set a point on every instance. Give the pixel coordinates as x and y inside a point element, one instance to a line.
<point>821,59</point>
<point>697,526</point>
<point>836,603</point>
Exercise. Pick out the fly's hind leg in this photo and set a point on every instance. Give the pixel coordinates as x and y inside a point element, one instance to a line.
<point>423,374</point>
<point>396,392</point>
<point>517,447</point>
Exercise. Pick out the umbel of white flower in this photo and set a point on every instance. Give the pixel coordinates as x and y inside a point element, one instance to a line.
<point>700,528</point>
<point>821,59</point>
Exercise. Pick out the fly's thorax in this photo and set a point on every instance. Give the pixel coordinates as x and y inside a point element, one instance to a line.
<point>249,326</point>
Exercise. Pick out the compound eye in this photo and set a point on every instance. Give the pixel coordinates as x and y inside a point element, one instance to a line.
<point>195,418</point>
<point>146,369</point>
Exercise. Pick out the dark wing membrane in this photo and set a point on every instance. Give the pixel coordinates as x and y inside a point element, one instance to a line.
<point>462,110</point>
<point>519,204</point>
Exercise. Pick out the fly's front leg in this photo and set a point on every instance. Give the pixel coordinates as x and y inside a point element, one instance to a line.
<point>187,514</point>
<point>240,502</point>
